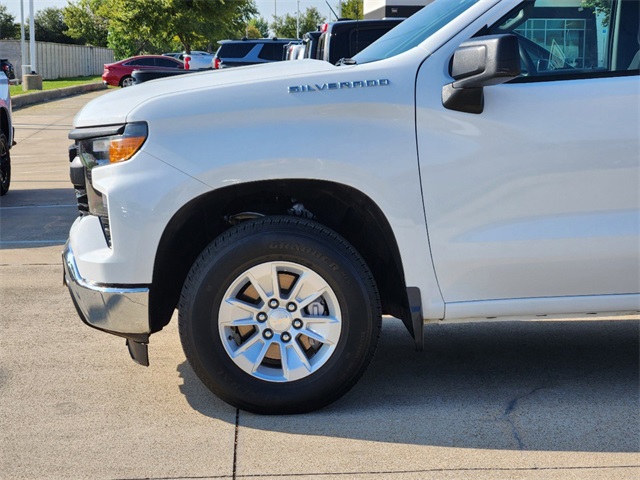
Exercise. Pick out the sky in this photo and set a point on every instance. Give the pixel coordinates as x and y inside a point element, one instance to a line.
<point>266,7</point>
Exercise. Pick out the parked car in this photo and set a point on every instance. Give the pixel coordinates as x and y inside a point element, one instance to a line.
<point>294,51</point>
<point>235,53</point>
<point>198,61</point>
<point>7,68</point>
<point>345,38</point>
<point>119,73</point>
<point>310,40</point>
<point>180,55</point>
<point>448,175</point>
<point>6,134</point>
<point>141,76</point>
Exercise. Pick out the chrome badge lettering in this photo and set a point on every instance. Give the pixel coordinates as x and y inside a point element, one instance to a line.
<point>339,85</point>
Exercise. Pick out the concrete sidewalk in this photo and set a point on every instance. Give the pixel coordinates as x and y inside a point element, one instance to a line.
<point>539,400</point>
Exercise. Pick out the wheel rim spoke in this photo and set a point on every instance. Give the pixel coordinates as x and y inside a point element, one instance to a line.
<point>240,322</point>
<point>242,349</point>
<point>260,358</point>
<point>302,357</point>
<point>284,360</point>
<point>256,284</point>
<point>327,336</point>
<point>234,302</point>
<point>312,298</point>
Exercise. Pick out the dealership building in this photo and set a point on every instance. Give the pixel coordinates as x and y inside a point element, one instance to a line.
<point>392,8</point>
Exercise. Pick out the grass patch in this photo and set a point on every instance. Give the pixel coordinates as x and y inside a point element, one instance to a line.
<point>60,83</point>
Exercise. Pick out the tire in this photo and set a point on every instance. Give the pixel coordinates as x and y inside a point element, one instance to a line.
<point>5,165</point>
<point>325,326</point>
<point>126,81</point>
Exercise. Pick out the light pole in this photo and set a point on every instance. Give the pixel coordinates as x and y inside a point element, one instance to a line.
<point>23,50</point>
<point>32,37</point>
<point>298,21</point>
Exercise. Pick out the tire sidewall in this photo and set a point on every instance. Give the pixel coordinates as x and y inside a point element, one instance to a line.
<point>224,263</point>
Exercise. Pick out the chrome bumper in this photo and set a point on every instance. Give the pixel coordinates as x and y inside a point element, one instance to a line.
<point>122,311</point>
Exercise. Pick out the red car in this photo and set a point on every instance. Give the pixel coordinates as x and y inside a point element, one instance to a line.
<point>119,73</point>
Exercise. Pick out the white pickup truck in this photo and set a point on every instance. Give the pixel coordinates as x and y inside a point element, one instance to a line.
<point>478,162</point>
<point>6,134</point>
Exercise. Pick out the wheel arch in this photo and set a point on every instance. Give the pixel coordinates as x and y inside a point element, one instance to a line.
<point>344,209</point>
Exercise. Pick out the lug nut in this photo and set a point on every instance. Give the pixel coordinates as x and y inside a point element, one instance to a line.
<point>291,307</point>
<point>297,323</point>
<point>273,303</point>
<point>285,337</point>
<point>262,317</point>
<point>267,334</point>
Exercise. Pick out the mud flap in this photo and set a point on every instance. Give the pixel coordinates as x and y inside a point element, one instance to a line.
<point>415,324</point>
<point>139,352</point>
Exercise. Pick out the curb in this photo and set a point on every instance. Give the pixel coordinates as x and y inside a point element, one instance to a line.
<point>48,95</point>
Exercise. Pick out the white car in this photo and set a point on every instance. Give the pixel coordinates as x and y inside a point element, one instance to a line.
<point>478,162</point>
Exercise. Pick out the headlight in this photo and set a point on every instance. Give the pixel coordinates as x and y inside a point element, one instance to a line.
<point>114,148</point>
<point>100,146</point>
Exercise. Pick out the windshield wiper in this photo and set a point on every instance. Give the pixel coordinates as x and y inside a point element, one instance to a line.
<point>346,61</point>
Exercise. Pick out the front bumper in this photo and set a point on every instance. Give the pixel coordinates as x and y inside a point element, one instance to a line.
<point>120,310</point>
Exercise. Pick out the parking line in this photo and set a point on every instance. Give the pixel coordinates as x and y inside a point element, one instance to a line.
<point>37,206</point>
<point>30,242</point>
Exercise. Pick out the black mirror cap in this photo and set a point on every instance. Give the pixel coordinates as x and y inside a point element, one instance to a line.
<point>486,61</point>
<point>478,63</point>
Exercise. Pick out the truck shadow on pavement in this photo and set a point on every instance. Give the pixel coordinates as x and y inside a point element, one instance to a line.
<point>35,218</point>
<point>538,386</point>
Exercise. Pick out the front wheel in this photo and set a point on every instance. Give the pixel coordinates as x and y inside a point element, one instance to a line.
<point>5,165</point>
<point>279,315</point>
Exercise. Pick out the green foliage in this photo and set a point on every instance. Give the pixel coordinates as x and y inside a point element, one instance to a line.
<point>252,32</point>
<point>152,26</point>
<point>285,26</point>
<point>259,25</point>
<point>601,7</point>
<point>84,22</point>
<point>51,27</point>
<point>8,26</point>
<point>353,9</point>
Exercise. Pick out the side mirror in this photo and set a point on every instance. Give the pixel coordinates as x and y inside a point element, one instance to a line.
<point>479,63</point>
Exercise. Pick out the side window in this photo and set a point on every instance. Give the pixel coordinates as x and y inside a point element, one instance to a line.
<point>575,38</point>
<point>234,50</point>
<point>165,62</point>
<point>272,51</point>
<point>147,62</point>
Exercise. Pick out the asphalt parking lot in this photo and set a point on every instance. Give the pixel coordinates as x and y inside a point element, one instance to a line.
<point>514,400</point>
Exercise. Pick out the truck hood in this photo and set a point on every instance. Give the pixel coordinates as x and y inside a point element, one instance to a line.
<point>114,107</point>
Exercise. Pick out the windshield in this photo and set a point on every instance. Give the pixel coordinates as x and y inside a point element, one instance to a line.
<point>414,30</point>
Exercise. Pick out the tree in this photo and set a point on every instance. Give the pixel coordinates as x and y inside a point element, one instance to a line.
<point>8,26</point>
<point>259,28</point>
<point>285,26</point>
<point>51,27</point>
<point>352,9</point>
<point>84,22</point>
<point>145,25</point>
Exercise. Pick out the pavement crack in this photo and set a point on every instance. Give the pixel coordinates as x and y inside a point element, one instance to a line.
<point>433,470</point>
<point>509,410</point>
<point>235,443</point>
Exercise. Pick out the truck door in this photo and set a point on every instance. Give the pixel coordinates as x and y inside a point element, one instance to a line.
<point>538,196</point>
